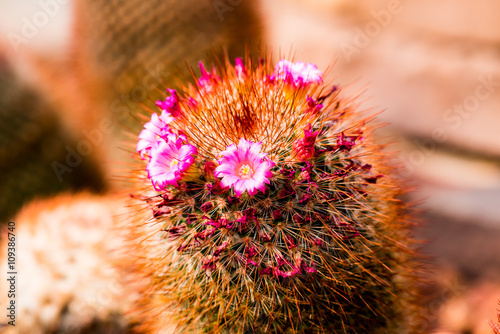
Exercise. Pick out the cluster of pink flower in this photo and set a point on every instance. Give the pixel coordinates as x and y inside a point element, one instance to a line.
<point>170,155</point>
<point>242,167</point>
<point>297,74</point>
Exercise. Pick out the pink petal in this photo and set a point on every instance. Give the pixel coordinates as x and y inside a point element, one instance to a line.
<point>165,179</point>
<point>239,187</point>
<point>244,145</point>
<point>229,180</point>
<point>186,151</point>
<point>224,169</point>
<point>251,186</point>
<point>252,191</point>
<point>166,117</point>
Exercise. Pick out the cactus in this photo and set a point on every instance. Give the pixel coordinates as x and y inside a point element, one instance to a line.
<point>266,207</point>
<point>66,257</point>
<point>32,138</point>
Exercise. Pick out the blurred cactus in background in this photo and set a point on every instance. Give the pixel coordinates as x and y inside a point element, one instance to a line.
<point>31,139</point>
<point>265,206</point>
<point>68,248</point>
<point>122,52</point>
<point>125,39</point>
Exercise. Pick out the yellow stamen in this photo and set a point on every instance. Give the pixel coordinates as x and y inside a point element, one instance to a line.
<point>174,162</point>
<point>245,172</point>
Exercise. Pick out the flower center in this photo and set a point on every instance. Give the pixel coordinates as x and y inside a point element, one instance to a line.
<point>245,172</point>
<point>174,162</point>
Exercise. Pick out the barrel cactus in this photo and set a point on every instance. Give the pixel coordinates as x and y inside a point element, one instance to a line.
<point>265,206</point>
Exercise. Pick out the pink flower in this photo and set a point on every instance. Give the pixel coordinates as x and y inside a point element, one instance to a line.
<point>304,147</point>
<point>240,68</point>
<point>171,103</point>
<point>243,167</point>
<point>153,130</point>
<point>207,80</point>
<point>298,73</point>
<point>169,160</point>
<point>313,106</point>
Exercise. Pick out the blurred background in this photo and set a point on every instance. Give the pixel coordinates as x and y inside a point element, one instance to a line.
<point>72,72</point>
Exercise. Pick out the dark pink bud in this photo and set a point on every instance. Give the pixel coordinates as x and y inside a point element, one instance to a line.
<point>250,212</point>
<point>288,173</point>
<point>266,271</point>
<point>343,172</point>
<point>304,147</point>
<point>209,263</point>
<point>354,234</point>
<point>265,237</point>
<point>248,217</point>
<point>277,214</point>
<point>250,251</point>
<point>220,249</point>
<point>210,222</point>
<point>313,106</point>
<point>157,212</point>
<point>207,206</point>
<point>214,188</point>
<point>349,230</point>
<point>346,143</point>
<point>305,198</point>
<point>208,169</point>
<point>301,220</point>
<point>252,262</point>
<point>281,261</point>
<point>240,68</point>
<point>171,104</point>
<point>373,179</point>
<point>202,235</point>
<point>366,167</point>
<point>207,80</point>
<point>286,192</point>
<point>176,230</point>
<point>286,274</point>
<point>190,220</point>
<point>318,242</point>
<point>233,200</point>
<point>223,222</point>
<point>280,273</point>
<point>310,270</point>
<point>290,242</point>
